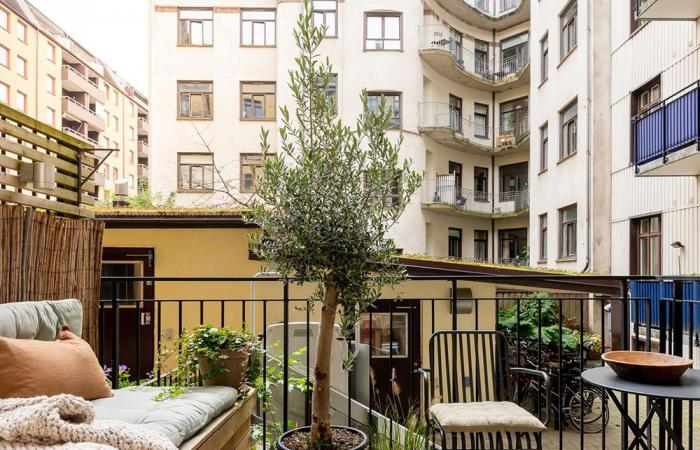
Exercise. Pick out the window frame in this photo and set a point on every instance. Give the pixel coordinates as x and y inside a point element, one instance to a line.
<point>240,26</point>
<point>18,95</point>
<point>564,255</point>
<point>543,233</point>
<point>544,58</point>
<point>52,48</point>
<point>486,121</point>
<point>324,12</point>
<point>459,241</point>
<point>485,241</point>
<point>242,167</point>
<point>647,87</point>
<point>563,131</point>
<point>544,147</point>
<point>7,53</point>
<point>180,189</point>
<point>5,26</point>
<point>52,79</point>
<point>21,25</point>
<point>241,93</point>
<point>383,15</point>
<point>387,94</point>
<point>178,93</point>
<point>24,66</point>
<point>565,27</point>
<point>179,24</point>
<point>6,87</point>
<point>637,236</point>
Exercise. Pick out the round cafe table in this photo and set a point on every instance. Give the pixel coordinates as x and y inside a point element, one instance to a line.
<point>688,388</point>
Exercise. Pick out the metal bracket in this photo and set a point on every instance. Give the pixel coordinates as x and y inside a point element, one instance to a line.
<point>99,164</point>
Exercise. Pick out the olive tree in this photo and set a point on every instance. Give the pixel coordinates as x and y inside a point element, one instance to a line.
<point>325,203</point>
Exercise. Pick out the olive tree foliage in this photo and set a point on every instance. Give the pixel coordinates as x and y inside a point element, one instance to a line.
<point>327,199</point>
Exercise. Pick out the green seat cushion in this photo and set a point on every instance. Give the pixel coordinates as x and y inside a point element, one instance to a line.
<point>179,418</point>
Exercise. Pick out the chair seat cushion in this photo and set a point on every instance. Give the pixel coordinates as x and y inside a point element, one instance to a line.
<point>482,417</point>
<point>179,418</point>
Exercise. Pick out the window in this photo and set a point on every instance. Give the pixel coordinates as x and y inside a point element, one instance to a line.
<point>383,31</point>
<point>51,117</point>
<point>115,97</point>
<point>568,29</point>
<point>544,64</point>
<point>50,84</point>
<point>258,28</point>
<point>635,21</point>
<point>481,184</point>
<point>21,66</point>
<point>514,53</point>
<point>646,253</point>
<point>568,118</point>
<point>393,102</point>
<point>388,334</point>
<point>115,173</point>
<point>454,243</point>
<point>115,123</point>
<point>544,147</point>
<point>196,26</point>
<point>332,92</point>
<point>250,163</point>
<point>4,56</point>
<point>21,31</point>
<point>21,101</point>
<point>50,52</point>
<point>512,245</point>
<point>4,19</point>
<point>106,171</point>
<point>131,109</point>
<point>456,114</point>
<point>131,156</point>
<point>195,171</point>
<point>131,181</point>
<point>481,245</point>
<point>132,134</point>
<point>513,179</point>
<point>543,237</point>
<point>567,232</point>
<point>326,15</point>
<point>646,96</point>
<point>4,93</point>
<point>481,58</point>
<point>481,120</point>
<point>258,100</point>
<point>514,122</point>
<point>196,99</point>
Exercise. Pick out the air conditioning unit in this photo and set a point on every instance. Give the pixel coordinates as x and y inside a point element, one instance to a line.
<point>98,179</point>
<point>121,192</point>
<point>38,175</point>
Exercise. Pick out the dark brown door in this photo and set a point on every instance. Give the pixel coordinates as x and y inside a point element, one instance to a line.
<point>136,317</point>
<point>395,354</point>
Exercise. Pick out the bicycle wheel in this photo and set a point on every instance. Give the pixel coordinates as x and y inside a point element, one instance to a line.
<point>590,415</point>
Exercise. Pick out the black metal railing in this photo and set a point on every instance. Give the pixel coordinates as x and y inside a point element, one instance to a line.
<point>392,337</point>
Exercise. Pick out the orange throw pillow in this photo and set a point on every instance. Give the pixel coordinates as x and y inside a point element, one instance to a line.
<point>67,366</point>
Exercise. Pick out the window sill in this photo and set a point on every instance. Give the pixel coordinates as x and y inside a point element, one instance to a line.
<point>257,46</point>
<point>566,56</point>
<point>195,191</point>
<point>566,259</point>
<point>542,83</point>
<point>568,157</point>
<point>243,119</point>
<point>542,261</point>
<point>541,172</point>
<point>199,119</point>
<point>370,50</point>
<point>195,45</point>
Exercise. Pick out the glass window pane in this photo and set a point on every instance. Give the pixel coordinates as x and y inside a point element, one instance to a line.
<point>196,30</point>
<point>270,33</point>
<point>258,33</point>
<point>392,45</point>
<point>247,33</point>
<point>655,224</point>
<point>392,28</point>
<point>374,27</point>
<point>208,37</point>
<point>201,14</point>
<point>389,334</point>
<point>570,112</point>
<point>330,24</point>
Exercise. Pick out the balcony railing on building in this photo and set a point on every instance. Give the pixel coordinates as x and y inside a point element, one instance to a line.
<point>74,81</point>
<point>82,113</point>
<point>143,149</point>
<point>142,126</point>
<point>665,137</point>
<point>667,9</point>
<point>437,117</point>
<point>446,191</point>
<point>508,67</point>
<point>80,136</point>
<point>142,171</point>
<point>494,8</point>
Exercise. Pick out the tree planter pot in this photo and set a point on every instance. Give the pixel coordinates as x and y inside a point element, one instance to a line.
<point>363,445</point>
<point>235,367</point>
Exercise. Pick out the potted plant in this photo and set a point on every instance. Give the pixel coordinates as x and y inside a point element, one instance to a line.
<point>324,204</point>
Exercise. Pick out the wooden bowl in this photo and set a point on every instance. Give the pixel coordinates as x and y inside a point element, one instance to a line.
<point>647,367</point>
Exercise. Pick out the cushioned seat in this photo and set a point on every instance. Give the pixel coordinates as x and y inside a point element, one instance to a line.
<point>484,417</point>
<point>40,320</point>
<point>179,418</point>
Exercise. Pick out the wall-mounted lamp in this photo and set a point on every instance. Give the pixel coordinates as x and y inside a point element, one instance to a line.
<point>677,244</point>
<point>465,301</point>
<point>39,175</point>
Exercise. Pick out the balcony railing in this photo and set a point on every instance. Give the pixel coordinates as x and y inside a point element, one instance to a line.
<point>494,8</point>
<point>75,72</point>
<point>434,115</point>
<point>668,127</point>
<point>484,67</point>
<point>444,191</point>
<point>667,9</point>
<point>391,343</point>
<point>142,171</point>
<point>79,135</point>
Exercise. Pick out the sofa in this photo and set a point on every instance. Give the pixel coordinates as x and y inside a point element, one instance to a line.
<point>204,418</point>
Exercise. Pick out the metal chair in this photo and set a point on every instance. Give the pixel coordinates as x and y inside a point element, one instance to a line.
<point>469,396</point>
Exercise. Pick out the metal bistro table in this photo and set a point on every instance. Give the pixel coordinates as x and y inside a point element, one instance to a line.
<point>688,388</point>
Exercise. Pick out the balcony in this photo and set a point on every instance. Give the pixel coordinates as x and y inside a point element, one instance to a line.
<point>665,138</point>
<point>74,81</point>
<point>142,149</point>
<point>81,113</point>
<point>443,195</point>
<point>668,9</point>
<point>446,126</point>
<point>449,58</point>
<point>142,171</point>
<point>79,135</point>
<point>488,14</point>
<point>142,127</point>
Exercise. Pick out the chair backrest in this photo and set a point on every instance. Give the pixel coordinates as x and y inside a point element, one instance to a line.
<point>469,366</point>
<point>40,320</point>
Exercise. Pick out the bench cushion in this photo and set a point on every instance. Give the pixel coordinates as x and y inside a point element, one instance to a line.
<point>483,417</point>
<point>179,418</point>
<point>40,320</point>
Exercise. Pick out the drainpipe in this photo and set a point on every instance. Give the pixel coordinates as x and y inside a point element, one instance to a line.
<point>589,137</point>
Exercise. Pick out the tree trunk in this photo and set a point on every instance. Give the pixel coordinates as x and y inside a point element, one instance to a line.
<point>320,408</point>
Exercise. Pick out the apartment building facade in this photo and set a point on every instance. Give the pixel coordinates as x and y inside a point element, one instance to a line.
<point>47,75</point>
<point>456,74</point>
<point>655,56</point>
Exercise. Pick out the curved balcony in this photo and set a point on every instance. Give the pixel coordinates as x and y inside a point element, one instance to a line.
<point>449,58</point>
<point>488,14</point>
<point>443,195</point>
<point>446,126</point>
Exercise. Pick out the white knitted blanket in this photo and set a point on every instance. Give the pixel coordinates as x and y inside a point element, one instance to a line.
<point>68,422</point>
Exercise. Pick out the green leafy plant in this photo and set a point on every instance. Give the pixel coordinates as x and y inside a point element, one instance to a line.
<point>325,204</point>
<point>123,376</point>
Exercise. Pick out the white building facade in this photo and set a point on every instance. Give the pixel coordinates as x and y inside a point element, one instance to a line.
<point>456,73</point>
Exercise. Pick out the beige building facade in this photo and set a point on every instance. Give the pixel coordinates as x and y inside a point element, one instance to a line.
<point>457,75</point>
<point>49,76</point>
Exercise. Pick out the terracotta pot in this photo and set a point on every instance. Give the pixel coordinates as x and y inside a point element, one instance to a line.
<point>363,445</point>
<point>235,367</point>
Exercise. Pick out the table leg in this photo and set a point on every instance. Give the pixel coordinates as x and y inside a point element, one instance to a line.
<point>664,423</point>
<point>631,424</point>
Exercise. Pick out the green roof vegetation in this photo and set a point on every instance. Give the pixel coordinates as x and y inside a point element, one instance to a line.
<point>419,257</point>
